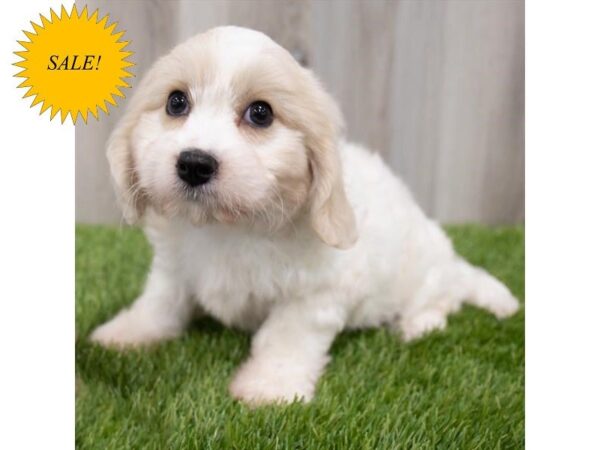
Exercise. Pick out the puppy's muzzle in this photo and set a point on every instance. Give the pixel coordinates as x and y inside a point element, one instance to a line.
<point>196,167</point>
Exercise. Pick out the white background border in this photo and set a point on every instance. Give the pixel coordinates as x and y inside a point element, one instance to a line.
<point>563,224</point>
<point>37,307</point>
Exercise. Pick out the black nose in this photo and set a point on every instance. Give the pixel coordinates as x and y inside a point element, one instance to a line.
<point>196,167</point>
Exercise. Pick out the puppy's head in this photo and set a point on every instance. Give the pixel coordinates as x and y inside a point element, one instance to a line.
<point>229,128</point>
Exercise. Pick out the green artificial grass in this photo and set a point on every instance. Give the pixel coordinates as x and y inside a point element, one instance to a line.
<point>458,389</point>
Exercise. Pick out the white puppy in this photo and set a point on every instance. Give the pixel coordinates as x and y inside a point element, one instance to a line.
<point>232,158</point>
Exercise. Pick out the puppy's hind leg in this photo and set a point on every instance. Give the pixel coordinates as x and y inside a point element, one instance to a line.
<point>445,288</point>
<point>428,310</point>
<point>486,291</point>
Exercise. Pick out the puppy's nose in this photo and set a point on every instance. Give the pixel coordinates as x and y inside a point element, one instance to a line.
<point>196,167</point>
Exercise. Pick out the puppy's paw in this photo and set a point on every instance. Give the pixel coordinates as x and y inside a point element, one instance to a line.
<point>266,382</point>
<point>503,306</point>
<point>129,329</point>
<point>422,323</point>
<point>494,296</point>
<point>499,302</point>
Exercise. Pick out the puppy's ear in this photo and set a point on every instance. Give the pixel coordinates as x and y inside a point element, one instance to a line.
<point>331,215</point>
<point>122,169</point>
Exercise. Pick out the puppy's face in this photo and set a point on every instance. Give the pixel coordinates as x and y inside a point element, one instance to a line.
<point>229,128</point>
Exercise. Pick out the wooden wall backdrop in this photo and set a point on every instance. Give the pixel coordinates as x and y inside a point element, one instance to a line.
<point>436,86</point>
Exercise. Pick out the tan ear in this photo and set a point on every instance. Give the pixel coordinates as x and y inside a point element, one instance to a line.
<point>332,216</point>
<point>132,198</point>
<point>122,169</point>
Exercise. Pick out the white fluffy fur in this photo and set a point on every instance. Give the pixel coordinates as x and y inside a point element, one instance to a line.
<point>300,236</point>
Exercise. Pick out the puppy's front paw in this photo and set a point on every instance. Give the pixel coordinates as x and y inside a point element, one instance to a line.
<point>265,382</point>
<point>129,329</point>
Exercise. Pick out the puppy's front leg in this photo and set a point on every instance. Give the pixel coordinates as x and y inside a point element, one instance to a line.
<point>161,312</point>
<point>289,353</point>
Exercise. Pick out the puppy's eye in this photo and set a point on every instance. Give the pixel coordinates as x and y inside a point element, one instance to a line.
<point>177,104</point>
<point>259,114</point>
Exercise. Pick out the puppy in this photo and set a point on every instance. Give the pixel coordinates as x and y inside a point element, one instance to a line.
<point>232,158</point>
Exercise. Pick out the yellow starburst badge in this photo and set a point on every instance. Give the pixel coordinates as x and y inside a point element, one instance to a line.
<point>75,64</point>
